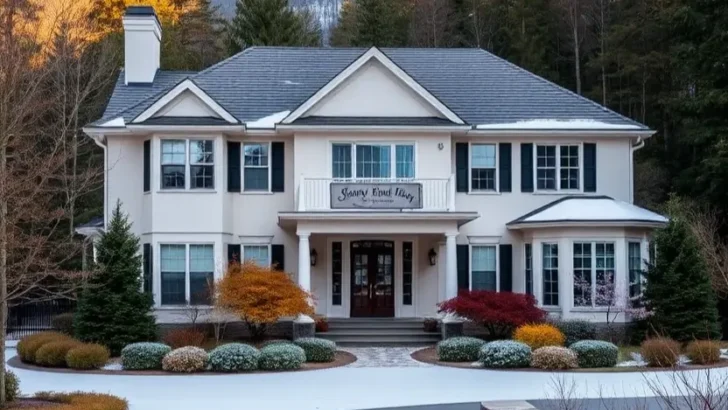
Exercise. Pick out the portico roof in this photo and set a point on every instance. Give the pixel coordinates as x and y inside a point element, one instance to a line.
<point>588,211</point>
<point>395,221</point>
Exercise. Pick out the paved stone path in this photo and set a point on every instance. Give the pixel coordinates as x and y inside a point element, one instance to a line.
<point>384,357</point>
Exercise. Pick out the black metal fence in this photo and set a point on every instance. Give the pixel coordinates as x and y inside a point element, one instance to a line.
<point>32,317</point>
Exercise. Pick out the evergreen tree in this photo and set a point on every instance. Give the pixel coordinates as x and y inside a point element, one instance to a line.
<point>678,292</point>
<point>112,309</point>
<point>366,23</point>
<point>271,23</point>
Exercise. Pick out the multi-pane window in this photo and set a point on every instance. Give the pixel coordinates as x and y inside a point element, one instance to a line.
<point>202,269</point>
<point>336,273</point>
<point>373,161</point>
<point>407,273</point>
<point>202,165</point>
<point>173,164</point>
<point>255,167</point>
<point>482,167</point>
<point>529,269</point>
<point>634,259</point>
<point>545,167</point>
<point>594,274</point>
<point>483,268</point>
<point>257,253</point>
<point>550,262</point>
<point>569,166</point>
<point>173,261</point>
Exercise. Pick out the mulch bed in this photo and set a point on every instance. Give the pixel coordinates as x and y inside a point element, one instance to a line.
<point>340,359</point>
<point>429,355</point>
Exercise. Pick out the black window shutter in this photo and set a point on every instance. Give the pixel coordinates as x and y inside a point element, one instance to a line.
<point>461,167</point>
<point>147,268</point>
<point>277,166</point>
<point>234,253</point>
<point>233,171</point>
<point>463,254</point>
<point>147,166</point>
<point>506,268</point>
<point>504,167</point>
<point>590,167</point>
<point>277,257</point>
<point>526,167</point>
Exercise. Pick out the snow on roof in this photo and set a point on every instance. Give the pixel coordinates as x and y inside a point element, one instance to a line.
<point>590,209</point>
<point>116,122</point>
<point>547,124</point>
<point>269,121</point>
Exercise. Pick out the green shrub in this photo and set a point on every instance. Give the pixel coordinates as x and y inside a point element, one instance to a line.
<point>703,352</point>
<point>505,354</point>
<point>87,356</point>
<point>188,359</point>
<point>53,354</point>
<point>274,342</point>
<point>553,358</point>
<point>660,352</point>
<point>143,356</point>
<point>12,386</point>
<point>63,323</point>
<point>576,330</point>
<point>317,350</point>
<point>234,357</point>
<point>459,349</point>
<point>595,353</point>
<point>281,357</point>
<point>29,345</point>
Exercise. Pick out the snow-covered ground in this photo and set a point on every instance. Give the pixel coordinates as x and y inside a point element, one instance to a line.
<point>341,388</point>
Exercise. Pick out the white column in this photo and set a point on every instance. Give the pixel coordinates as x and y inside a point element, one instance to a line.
<point>304,269</point>
<point>566,277</point>
<point>451,269</point>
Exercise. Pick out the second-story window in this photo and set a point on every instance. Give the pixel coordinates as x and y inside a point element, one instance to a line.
<point>256,167</point>
<point>202,166</point>
<point>557,167</point>
<point>546,167</point>
<point>373,161</point>
<point>173,164</point>
<point>482,167</point>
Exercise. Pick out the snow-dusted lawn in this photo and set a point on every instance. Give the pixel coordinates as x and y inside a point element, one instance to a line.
<point>339,388</point>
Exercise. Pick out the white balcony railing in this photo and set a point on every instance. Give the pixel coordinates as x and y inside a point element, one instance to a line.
<point>437,194</point>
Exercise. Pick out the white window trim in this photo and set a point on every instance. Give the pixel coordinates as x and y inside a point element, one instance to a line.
<point>542,276</point>
<point>558,168</point>
<point>188,173</point>
<point>243,166</point>
<point>593,272</point>
<point>257,245</point>
<point>187,270</point>
<point>497,170</point>
<point>393,159</point>
<point>497,263</point>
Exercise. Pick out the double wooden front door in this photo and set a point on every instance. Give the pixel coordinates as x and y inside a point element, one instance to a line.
<point>372,279</point>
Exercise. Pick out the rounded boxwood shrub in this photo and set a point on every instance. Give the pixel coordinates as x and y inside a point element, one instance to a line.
<point>12,386</point>
<point>87,356</point>
<point>317,350</point>
<point>143,356</point>
<point>703,352</point>
<point>553,358</point>
<point>505,354</point>
<point>576,330</point>
<point>284,356</point>
<point>29,345</point>
<point>53,354</point>
<point>660,352</point>
<point>188,359</point>
<point>274,342</point>
<point>459,349</point>
<point>595,353</point>
<point>234,357</point>
<point>539,335</point>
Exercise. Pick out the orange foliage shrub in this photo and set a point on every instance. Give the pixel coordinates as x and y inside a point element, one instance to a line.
<point>177,338</point>
<point>260,295</point>
<point>539,335</point>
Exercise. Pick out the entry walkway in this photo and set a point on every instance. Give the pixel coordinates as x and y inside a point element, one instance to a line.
<point>341,388</point>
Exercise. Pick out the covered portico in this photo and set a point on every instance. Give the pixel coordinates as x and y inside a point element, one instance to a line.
<point>377,264</point>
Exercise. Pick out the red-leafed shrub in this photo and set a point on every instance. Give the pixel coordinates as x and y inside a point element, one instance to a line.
<point>499,312</point>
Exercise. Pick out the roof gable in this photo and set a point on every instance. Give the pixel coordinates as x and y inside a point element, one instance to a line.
<point>186,99</point>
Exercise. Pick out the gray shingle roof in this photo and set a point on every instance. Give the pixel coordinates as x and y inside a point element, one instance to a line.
<point>184,121</point>
<point>395,121</point>
<point>478,86</point>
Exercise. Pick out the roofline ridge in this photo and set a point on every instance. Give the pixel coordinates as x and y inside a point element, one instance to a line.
<point>224,62</point>
<point>154,96</point>
<point>554,203</point>
<point>564,89</point>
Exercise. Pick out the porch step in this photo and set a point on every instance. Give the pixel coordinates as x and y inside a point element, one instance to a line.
<point>379,332</point>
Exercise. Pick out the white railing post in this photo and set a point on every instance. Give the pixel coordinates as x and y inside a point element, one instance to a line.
<point>301,194</point>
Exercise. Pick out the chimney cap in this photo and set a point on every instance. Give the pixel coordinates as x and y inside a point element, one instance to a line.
<point>140,11</point>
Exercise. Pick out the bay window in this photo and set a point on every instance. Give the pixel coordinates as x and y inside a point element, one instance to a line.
<point>550,265</point>
<point>483,167</point>
<point>529,268</point>
<point>187,273</point>
<point>594,274</point>
<point>256,168</point>
<point>634,259</point>
<point>372,161</point>
<point>483,268</point>
<point>558,167</point>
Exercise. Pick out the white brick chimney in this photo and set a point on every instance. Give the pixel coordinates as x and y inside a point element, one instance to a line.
<point>142,38</point>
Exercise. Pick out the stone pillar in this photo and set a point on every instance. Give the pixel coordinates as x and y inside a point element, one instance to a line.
<point>304,326</point>
<point>451,269</point>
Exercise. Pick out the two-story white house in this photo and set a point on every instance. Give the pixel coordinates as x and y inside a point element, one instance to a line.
<point>383,180</point>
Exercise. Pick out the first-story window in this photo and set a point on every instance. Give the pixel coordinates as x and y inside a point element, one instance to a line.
<point>173,164</point>
<point>202,165</point>
<point>202,269</point>
<point>259,254</point>
<point>483,268</point>
<point>550,262</point>
<point>482,167</point>
<point>529,269</point>
<point>187,269</point>
<point>594,274</point>
<point>255,167</point>
<point>635,269</point>
<point>173,261</point>
<point>372,161</point>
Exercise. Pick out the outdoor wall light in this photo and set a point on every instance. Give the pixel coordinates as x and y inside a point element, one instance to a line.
<point>314,255</point>
<point>433,257</point>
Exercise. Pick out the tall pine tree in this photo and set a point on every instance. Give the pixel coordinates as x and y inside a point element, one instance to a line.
<point>112,309</point>
<point>366,23</point>
<point>679,293</point>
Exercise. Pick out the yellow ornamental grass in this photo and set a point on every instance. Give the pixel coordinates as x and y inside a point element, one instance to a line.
<point>539,335</point>
<point>261,295</point>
